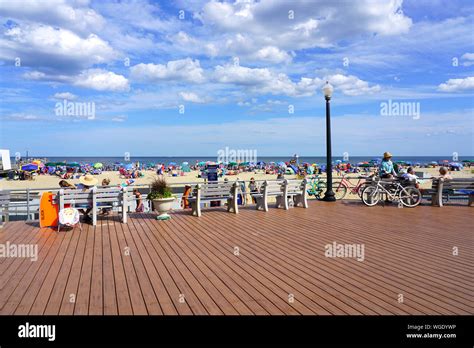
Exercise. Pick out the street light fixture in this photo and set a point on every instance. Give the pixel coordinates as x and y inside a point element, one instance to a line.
<point>329,195</point>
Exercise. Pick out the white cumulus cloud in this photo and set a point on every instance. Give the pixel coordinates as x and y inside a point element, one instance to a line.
<point>457,85</point>
<point>191,97</point>
<point>178,70</point>
<point>102,80</point>
<point>42,46</point>
<point>65,95</point>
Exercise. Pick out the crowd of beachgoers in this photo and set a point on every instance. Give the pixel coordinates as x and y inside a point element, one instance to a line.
<point>44,174</point>
<point>136,170</point>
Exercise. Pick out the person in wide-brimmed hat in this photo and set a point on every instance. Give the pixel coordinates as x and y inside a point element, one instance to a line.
<point>86,182</point>
<point>386,169</point>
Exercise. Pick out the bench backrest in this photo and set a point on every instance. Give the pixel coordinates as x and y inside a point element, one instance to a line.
<point>295,186</point>
<point>455,184</point>
<point>274,186</point>
<point>4,197</point>
<point>219,189</point>
<point>102,195</point>
<point>75,196</point>
<point>111,194</point>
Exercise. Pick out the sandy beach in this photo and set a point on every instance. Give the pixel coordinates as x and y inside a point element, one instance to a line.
<point>51,181</point>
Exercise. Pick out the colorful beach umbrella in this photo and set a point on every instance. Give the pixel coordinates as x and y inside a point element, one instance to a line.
<point>98,165</point>
<point>29,167</point>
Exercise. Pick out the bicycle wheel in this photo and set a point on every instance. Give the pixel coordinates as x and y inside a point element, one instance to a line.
<point>370,196</point>
<point>410,197</point>
<point>339,190</point>
<point>320,190</point>
<point>361,188</point>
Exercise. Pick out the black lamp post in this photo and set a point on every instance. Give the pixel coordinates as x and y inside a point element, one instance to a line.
<point>329,195</point>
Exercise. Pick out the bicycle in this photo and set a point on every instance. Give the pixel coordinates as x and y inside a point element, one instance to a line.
<point>408,196</point>
<point>316,187</point>
<point>340,188</point>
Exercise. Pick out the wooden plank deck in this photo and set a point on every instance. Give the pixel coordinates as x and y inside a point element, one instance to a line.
<point>190,265</point>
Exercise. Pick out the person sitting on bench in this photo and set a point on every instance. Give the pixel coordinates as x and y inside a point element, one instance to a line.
<point>386,169</point>
<point>87,182</point>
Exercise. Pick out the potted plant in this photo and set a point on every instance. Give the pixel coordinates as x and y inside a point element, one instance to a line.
<point>161,196</point>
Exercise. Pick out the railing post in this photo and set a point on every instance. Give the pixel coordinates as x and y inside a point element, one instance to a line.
<point>27,204</point>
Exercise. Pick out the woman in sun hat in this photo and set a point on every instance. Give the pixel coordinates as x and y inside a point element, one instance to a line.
<point>86,183</point>
<point>386,170</point>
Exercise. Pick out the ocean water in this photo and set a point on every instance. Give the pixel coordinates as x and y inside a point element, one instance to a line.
<point>266,159</point>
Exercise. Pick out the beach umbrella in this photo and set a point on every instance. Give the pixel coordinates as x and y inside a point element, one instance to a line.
<point>338,161</point>
<point>281,164</point>
<point>98,165</point>
<point>172,164</point>
<point>468,161</point>
<point>232,163</point>
<point>260,163</point>
<point>244,164</point>
<point>73,164</point>
<point>51,164</point>
<point>185,167</point>
<point>60,163</point>
<point>202,163</point>
<point>129,166</point>
<point>29,167</point>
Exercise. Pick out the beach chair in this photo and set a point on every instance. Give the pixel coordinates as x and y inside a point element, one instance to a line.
<point>69,217</point>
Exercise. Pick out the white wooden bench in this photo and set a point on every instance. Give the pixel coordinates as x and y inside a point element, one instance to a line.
<point>297,191</point>
<point>268,189</point>
<point>451,189</point>
<point>4,202</point>
<point>96,198</point>
<point>283,191</point>
<point>210,192</point>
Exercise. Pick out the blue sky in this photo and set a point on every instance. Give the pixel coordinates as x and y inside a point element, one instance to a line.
<point>188,78</point>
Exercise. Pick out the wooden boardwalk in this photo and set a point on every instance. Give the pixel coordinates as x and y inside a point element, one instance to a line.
<point>250,263</point>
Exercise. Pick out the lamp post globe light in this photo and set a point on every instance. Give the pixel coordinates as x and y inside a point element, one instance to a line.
<point>329,195</point>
